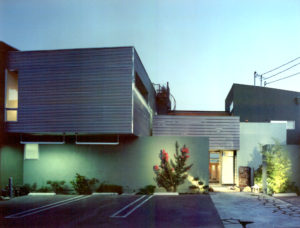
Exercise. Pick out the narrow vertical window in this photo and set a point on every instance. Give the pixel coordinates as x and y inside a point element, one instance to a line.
<point>11,96</point>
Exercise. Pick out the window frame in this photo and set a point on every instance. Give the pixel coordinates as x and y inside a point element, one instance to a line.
<point>6,94</point>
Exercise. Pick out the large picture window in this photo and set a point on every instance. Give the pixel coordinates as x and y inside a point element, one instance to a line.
<point>11,96</point>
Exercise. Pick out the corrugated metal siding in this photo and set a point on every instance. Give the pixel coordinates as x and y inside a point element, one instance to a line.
<point>223,132</point>
<point>79,90</point>
<point>143,115</point>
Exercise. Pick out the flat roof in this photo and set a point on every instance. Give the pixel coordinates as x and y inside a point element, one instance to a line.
<point>198,113</point>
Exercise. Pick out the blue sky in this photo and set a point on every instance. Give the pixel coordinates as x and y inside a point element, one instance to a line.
<point>200,47</point>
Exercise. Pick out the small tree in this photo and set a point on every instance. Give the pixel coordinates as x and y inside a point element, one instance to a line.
<point>171,174</point>
<point>278,168</point>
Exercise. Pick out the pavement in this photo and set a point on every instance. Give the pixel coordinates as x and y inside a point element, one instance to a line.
<point>109,211</point>
<point>261,210</point>
<point>218,209</point>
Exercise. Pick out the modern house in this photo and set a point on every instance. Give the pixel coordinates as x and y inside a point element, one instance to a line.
<point>96,112</point>
<point>86,111</point>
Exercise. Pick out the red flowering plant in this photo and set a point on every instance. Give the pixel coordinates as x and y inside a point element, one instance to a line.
<point>170,174</point>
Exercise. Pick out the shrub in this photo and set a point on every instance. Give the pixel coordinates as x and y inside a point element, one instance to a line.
<point>147,190</point>
<point>110,188</point>
<point>278,170</point>
<point>198,187</point>
<point>83,185</point>
<point>58,186</point>
<point>258,176</point>
<point>22,190</point>
<point>44,189</point>
<point>171,174</point>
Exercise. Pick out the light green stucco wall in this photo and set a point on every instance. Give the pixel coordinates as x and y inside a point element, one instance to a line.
<point>253,134</point>
<point>129,164</point>
<point>11,164</point>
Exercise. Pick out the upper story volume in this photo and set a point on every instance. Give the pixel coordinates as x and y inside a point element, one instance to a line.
<point>76,91</point>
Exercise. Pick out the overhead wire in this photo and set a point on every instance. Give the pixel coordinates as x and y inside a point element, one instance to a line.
<point>266,83</point>
<point>281,71</point>
<point>281,66</point>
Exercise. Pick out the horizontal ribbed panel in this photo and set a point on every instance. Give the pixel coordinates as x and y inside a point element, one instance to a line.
<point>79,90</point>
<point>223,132</point>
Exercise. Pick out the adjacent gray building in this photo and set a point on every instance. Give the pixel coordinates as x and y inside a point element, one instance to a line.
<point>261,104</point>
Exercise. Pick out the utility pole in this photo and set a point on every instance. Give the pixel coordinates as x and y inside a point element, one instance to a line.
<point>256,75</point>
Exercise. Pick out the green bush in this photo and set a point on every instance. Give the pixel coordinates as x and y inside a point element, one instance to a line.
<point>110,188</point>
<point>58,187</point>
<point>26,188</point>
<point>32,188</point>
<point>83,185</point>
<point>258,176</point>
<point>278,170</point>
<point>147,190</point>
<point>44,189</point>
<point>22,190</point>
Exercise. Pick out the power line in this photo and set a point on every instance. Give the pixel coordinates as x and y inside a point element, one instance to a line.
<point>266,83</point>
<point>281,71</point>
<point>281,65</point>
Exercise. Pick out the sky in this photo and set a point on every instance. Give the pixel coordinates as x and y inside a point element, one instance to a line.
<point>201,47</point>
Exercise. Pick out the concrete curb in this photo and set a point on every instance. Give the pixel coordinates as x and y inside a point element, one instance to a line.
<point>42,194</point>
<point>284,194</point>
<point>105,193</point>
<point>166,194</point>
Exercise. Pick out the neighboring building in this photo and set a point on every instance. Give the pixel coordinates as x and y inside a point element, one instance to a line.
<point>261,104</point>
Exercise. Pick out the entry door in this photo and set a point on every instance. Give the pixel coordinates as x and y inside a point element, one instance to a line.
<point>214,167</point>
<point>228,167</point>
<point>214,172</point>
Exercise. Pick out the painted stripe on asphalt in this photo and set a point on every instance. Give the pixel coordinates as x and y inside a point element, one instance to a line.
<point>136,207</point>
<point>46,207</point>
<point>132,210</point>
<point>22,212</point>
<point>124,208</point>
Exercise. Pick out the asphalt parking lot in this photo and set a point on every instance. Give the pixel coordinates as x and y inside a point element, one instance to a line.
<point>109,211</point>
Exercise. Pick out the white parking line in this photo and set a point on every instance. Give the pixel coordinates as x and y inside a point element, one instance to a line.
<point>46,207</point>
<point>115,215</point>
<point>136,207</point>
<point>124,208</point>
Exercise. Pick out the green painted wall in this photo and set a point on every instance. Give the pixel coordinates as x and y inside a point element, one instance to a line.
<point>253,134</point>
<point>129,164</point>
<point>11,164</point>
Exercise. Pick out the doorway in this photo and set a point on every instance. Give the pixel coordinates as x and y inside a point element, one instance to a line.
<point>214,167</point>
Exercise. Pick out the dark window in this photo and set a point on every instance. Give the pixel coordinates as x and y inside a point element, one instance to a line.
<point>140,87</point>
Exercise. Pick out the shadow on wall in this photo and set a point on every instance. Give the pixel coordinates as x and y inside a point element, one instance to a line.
<point>256,159</point>
<point>254,163</point>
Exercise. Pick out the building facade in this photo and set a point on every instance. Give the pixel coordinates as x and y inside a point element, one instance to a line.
<point>96,112</point>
